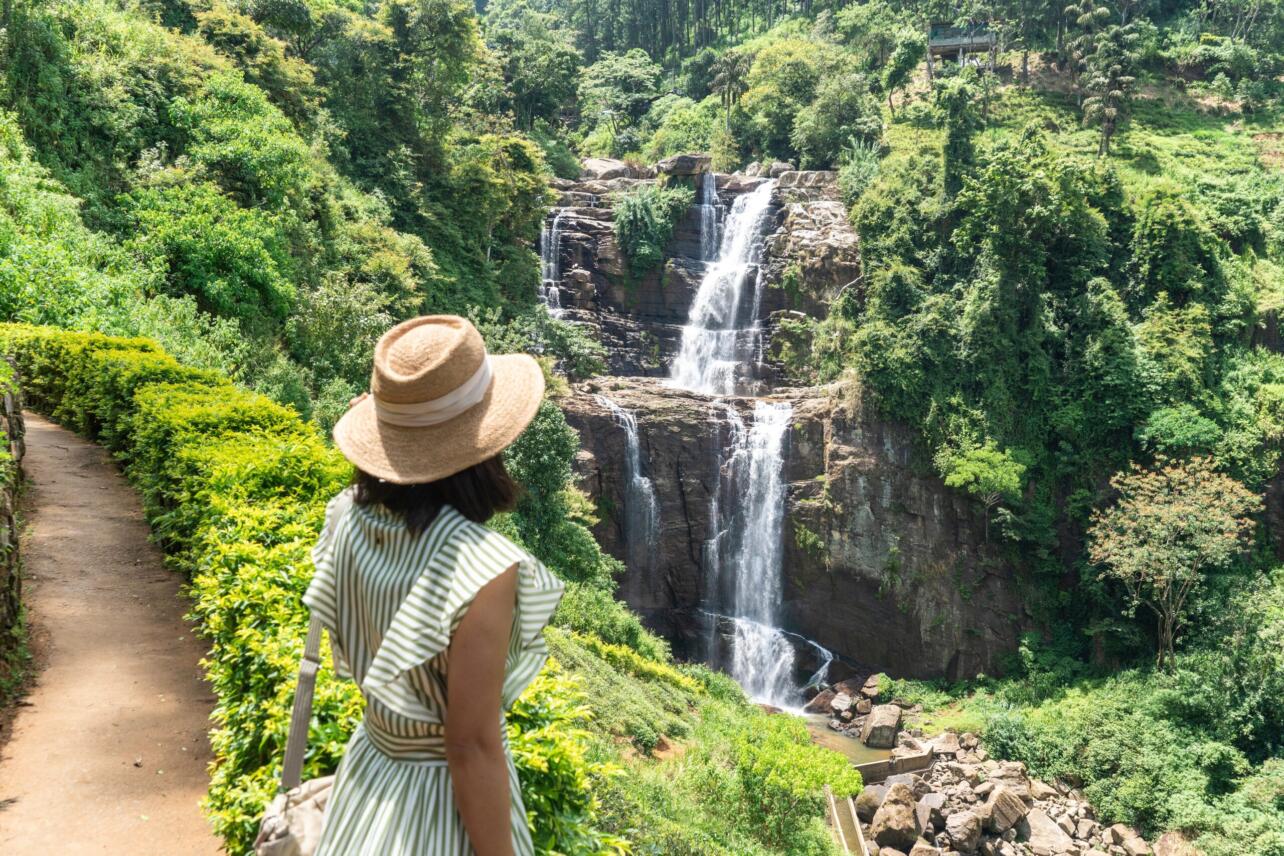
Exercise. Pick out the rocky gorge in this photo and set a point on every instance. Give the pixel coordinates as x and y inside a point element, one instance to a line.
<point>883,567</point>
<point>960,800</point>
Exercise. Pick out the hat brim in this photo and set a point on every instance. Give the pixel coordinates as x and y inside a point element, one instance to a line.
<point>416,455</point>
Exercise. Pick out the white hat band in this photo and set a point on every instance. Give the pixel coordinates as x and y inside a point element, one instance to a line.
<point>421,414</point>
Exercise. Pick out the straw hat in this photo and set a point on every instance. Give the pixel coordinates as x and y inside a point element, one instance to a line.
<point>438,403</point>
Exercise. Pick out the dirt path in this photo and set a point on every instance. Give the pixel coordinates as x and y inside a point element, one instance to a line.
<point>108,754</point>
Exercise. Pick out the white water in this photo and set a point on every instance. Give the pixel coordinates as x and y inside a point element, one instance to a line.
<point>550,246</point>
<point>641,511</point>
<point>708,217</point>
<point>715,345</point>
<point>749,560</point>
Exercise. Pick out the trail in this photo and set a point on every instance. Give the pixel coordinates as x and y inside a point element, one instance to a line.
<point>109,752</point>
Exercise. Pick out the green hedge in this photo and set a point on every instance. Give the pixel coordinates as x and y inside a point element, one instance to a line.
<point>234,486</point>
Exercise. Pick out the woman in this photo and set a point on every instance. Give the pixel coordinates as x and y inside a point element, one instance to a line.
<point>437,618</point>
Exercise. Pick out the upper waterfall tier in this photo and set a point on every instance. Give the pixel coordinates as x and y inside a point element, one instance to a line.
<point>720,339</point>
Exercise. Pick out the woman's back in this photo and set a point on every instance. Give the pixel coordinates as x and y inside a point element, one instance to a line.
<point>392,600</point>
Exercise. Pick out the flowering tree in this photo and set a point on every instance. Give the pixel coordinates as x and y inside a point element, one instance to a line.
<point>1169,526</point>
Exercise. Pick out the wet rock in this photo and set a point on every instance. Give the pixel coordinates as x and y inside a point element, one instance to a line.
<point>964,830</point>
<point>1003,809</point>
<point>880,728</point>
<point>819,702</point>
<point>840,703</point>
<point>895,824</point>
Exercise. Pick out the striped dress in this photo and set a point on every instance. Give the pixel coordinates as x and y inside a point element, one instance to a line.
<point>391,602</point>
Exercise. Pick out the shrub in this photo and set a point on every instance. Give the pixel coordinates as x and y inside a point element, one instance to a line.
<point>644,221</point>
<point>235,487</point>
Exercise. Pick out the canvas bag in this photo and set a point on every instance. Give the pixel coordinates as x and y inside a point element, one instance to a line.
<point>291,826</point>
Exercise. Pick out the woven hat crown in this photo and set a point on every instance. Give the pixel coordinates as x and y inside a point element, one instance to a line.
<point>425,358</point>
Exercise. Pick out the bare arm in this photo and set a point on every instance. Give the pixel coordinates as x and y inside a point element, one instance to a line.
<point>474,747</point>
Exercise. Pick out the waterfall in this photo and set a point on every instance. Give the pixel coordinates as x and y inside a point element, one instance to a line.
<point>550,247</point>
<point>641,511</point>
<point>708,217</point>
<point>714,342</point>
<point>749,557</point>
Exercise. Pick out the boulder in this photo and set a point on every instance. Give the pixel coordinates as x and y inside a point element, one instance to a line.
<point>1088,829</point>
<point>870,688</point>
<point>879,731</point>
<point>820,702</point>
<point>968,740</point>
<point>946,743</point>
<point>840,702</point>
<point>931,809</point>
<point>1174,844</point>
<point>605,169</point>
<point>1043,834</point>
<point>1041,790</point>
<point>779,168</point>
<point>895,824</point>
<point>890,851</point>
<point>1003,810</point>
<point>964,830</point>
<point>868,801</point>
<point>688,164</point>
<point>922,848</point>
<point>1136,847</point>
<point>1119,833</point>
<point>864,706</point>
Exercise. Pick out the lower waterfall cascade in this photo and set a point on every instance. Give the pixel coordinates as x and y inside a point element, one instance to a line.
<point>641,510</point>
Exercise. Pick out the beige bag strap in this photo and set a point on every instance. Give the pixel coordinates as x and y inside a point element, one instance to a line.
<point>296,743</point>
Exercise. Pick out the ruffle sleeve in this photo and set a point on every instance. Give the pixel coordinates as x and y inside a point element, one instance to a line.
<point>469,557</point>
<point>321,597</point>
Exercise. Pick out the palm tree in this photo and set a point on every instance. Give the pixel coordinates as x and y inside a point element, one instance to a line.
<point>730,79</point>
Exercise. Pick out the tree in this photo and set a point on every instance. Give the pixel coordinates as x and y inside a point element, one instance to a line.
<point>730,80</point>
<point>954,99</point>
<point>1088,18</point>
<point>910,47</point>
<point>1108,80</point>
<point>1169,527</point>
<point>990,474</point>
<point>541,64</point>
<point>843,112</point>
<point>619,86</point>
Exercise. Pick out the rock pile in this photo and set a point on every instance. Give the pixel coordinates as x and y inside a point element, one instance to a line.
<point>969,803</point>
<point>855,709</point>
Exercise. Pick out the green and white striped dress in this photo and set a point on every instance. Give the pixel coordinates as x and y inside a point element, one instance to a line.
<point>391,602</point>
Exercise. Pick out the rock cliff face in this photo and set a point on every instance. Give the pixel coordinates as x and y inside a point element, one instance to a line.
<point>884,565</point>
<point>810,252</point>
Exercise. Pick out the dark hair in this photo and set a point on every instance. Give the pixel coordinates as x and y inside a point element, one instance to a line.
<point>477,493</point>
